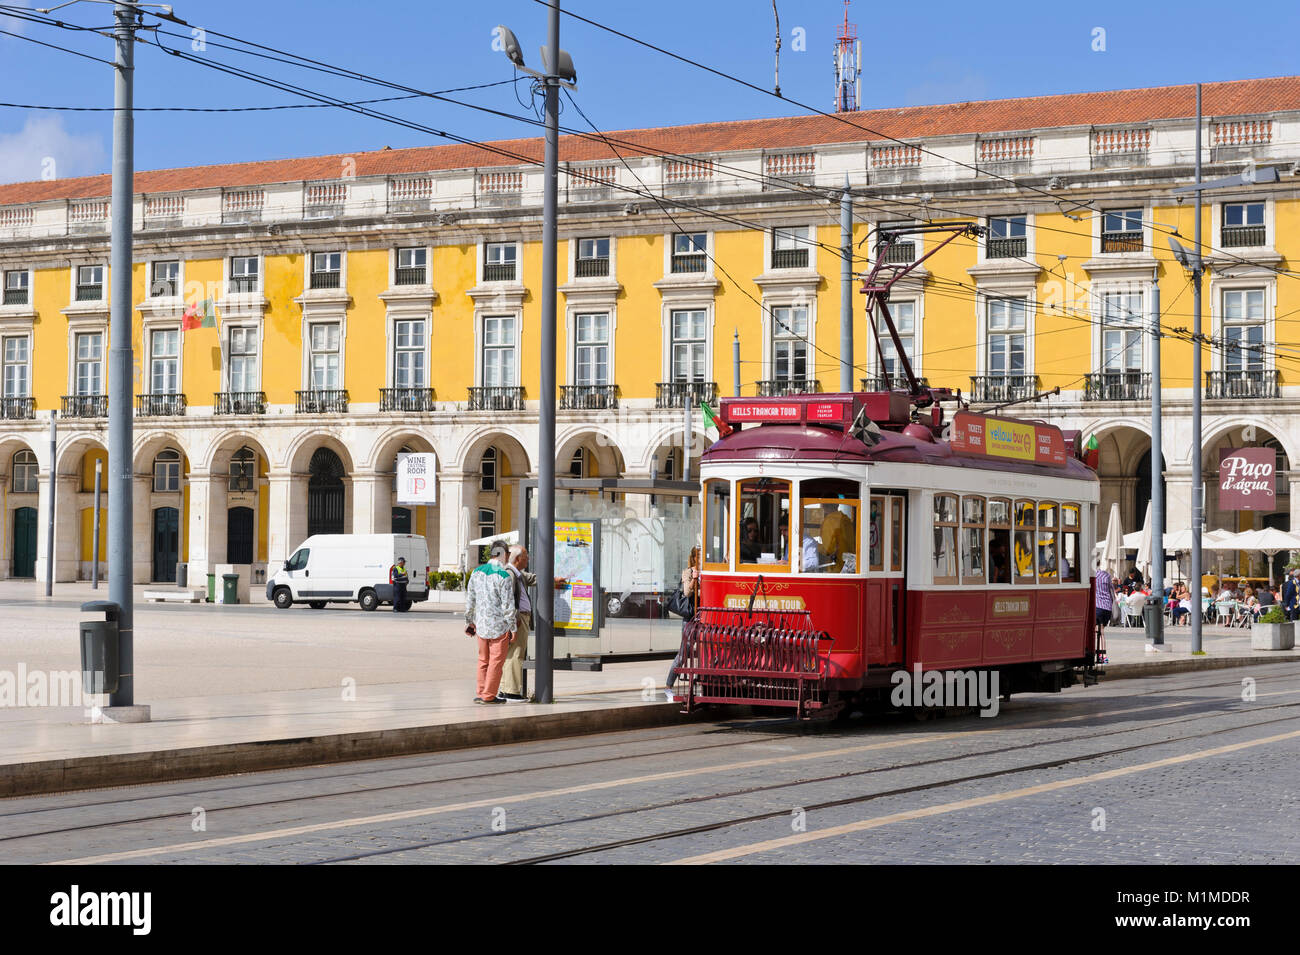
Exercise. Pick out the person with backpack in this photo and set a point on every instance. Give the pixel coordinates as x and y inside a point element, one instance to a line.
<point>691,591</point>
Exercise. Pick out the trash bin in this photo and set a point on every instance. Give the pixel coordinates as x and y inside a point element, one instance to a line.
<point>182,575</point>
<point>1153,620</point>
<point>99,647</point>
<point>230,588</point>
<point>212,588</point>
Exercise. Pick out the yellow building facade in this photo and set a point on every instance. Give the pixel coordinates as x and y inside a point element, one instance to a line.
<point>368,304</point>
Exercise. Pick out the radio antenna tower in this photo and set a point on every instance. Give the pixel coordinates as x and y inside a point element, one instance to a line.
<point>848,66</point>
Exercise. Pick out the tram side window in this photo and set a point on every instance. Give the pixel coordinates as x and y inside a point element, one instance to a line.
<point>1023,550</point>
<point>1070,543</point>
<point>972,540</point>
<point>763,523</point>
<point>1047,544</point>
<point>717,520</point>
<point>945,539</point>
<point>999,563</point>
<point>876,535</point>
<point>896,533</point>
<point>829,526</point>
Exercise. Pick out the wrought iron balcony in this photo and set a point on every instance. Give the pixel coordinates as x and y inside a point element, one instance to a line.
<point>15,296</point>
<point>789,258</point>
<point>405,399</point>
<point>413,275</point>
<point>239,402</point>
<point>675,394</point>
<point>1242,383</point>
<point>690,262</point>
<point>900,253</point>
<point>588,397</point>
<point>85,406</point>
<point>897,382</point>
<point>998,389</point>
<point>499,272</point>
<point>244,283</point>
<point>326,279</point>
<point>160,406</point>
<point>90,293</point>
<point>1013,248</point>
<point>321,401</point>
<point>496,398</point>
<point>590,268</point>
<point>1127,241</point>
<point>783,387</point>
<point>17,408</point>
<point>1117,386</point>
<point>1242,236</point>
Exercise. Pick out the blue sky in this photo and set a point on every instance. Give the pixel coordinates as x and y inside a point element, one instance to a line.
<point>912,54</point>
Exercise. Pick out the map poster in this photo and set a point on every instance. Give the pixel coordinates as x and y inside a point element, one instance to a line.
<point>577,560</point>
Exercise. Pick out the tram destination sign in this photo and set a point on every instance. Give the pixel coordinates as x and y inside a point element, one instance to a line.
<point>797,409</point>
<point>1247,479</point>
<point>1006,438</point>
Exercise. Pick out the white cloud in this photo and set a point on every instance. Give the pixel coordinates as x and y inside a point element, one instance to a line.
<point>44,149</point>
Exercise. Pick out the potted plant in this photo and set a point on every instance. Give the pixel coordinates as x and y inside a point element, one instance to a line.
<point>1272,631</point>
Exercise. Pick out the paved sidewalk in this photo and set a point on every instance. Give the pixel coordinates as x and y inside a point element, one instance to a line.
<point>240,688</point>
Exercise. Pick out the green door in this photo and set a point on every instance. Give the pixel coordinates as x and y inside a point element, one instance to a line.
<point>25,542</point>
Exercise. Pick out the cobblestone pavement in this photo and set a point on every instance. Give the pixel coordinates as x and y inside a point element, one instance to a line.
<point>1175,769</point>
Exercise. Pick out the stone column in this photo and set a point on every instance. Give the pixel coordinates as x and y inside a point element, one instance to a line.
<point>372,496</point>
<point>207,526</point>
<point>61,489</point>
<point>457,496</point>
<point>142,528</point>
<point>287,516</point>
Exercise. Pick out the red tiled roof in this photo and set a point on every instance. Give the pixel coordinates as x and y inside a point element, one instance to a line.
<point>1236,98</point>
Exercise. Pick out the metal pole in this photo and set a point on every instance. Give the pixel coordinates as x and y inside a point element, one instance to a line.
<point>846,288</point>
<point>686,437</point>
<point>121,360</point>
<point>545,609</point>
<point>735,361</point>
<point>1157,474</point>
<point>49,511</point>
<point>1198,502</point>
<point>94,564</point>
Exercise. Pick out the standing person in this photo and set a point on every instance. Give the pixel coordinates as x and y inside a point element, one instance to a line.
<point>1105,595</point>
<point>691,588</point>
<point>398,577</point>
<point>491,615</point>
<point>1291,594</point>
<point>512,676</point>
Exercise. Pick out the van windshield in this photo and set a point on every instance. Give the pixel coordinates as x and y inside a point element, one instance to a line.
<point>298,561</point>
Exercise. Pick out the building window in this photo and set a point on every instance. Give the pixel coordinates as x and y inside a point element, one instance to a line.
<point>243,273</point>
<point>688,358</point>
<point>1007,238</point>
<point>1005,342</point>
<point>790,247</point>
<point>790,344</point>
<point>690,252</point>
<point>1121,331</point>
<point>591,349</point>
<point>243,359</point>
<point>487,522</point>
<point>1243,329</point>
<point>165,279</point>
<point>90,363</point>
<point>488,470</point>
<point>1121,231</point>
<point>167,471</point>
<point>904,316</point>
<point>326,270</point>
<point>593,258</point>
<point>578,464</point>
<point>1243,224</point>
<point>412,267</point>
<point>90,283</point>
<point>17,375</point>
<point>17,287</point>
<point>243,469</point>
<point>499,351</point>
<point>325,356</point>
<point>499,261</point>
<point>408,354</point>
<point>25,473</point>
<point>164,361</point>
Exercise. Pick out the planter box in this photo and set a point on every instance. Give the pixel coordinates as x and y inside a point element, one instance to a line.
<point>1272,636</point>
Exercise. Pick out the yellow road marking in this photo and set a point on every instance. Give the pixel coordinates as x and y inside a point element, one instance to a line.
<point>912,814</point>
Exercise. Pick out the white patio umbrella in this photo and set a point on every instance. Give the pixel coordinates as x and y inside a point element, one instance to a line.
<point>1111,552</point>
<point>1221,541</point>
<point>1144,555</point>
<point>1270,540</point>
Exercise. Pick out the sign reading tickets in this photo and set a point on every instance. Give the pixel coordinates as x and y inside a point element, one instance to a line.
<point>1008,439</point>
<point>577,558</point>
<point>1247,479</point>
<point>417,481</point>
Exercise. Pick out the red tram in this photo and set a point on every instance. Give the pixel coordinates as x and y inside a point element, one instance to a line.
<point>850,538</point>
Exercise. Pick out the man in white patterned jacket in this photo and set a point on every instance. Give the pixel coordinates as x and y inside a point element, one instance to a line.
<point>490,612</point>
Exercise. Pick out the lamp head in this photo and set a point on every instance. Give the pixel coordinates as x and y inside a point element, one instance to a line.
<point>511,45</point>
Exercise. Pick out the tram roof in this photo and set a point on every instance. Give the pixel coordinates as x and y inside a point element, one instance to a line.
<point>779,443</point>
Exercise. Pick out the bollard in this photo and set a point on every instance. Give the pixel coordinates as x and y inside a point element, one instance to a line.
<point>182,575</point>
<point>99,647</point>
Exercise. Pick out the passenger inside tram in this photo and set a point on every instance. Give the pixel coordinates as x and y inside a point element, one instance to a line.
<point>999,559</point>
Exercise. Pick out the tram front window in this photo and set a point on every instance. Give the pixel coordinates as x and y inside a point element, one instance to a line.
<point>762,523</point>
<point>829,526</point>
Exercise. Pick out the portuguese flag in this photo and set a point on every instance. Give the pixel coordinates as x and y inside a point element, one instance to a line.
<point>1092,453</point>
<point>199,314</point>
<point>712,421</point>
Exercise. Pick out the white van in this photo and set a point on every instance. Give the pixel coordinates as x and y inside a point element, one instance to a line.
<point>341,568</point>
